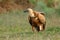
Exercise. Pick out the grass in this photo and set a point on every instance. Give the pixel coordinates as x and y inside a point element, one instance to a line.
<point>14,26</point>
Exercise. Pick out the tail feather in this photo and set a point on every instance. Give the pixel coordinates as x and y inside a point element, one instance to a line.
<point>44,26</point>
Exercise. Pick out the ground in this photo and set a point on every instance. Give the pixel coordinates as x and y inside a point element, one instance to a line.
<point>14,26</point>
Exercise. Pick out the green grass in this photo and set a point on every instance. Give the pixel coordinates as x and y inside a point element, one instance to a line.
<point>14,26</point>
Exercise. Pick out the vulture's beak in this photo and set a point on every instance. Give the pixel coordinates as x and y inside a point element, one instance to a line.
<point>25,10</point>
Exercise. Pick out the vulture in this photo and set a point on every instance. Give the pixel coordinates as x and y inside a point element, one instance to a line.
<point>36,19</point>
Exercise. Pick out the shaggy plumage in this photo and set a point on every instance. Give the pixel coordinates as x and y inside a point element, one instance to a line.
<point>36,19</point>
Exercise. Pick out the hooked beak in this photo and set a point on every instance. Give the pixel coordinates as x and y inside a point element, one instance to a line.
<point>25,10</point>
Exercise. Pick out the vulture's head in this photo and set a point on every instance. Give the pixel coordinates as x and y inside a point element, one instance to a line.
<point>30,11</point>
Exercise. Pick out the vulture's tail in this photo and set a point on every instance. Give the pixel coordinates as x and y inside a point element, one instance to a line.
<point>44,26</point>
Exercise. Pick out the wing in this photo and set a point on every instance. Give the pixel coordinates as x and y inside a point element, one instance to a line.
<point>42,13</point>
<point>30,21</point>
<point>36,13</point>
<point>40,16</point>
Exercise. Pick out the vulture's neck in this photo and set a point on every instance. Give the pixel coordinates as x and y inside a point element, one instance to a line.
<point>31,14</point>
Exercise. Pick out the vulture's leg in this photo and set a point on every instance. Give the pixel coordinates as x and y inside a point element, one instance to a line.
<point>33,28</point>
<point>44,26</point>
<point>41,27</point>
<point>37,28</point>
